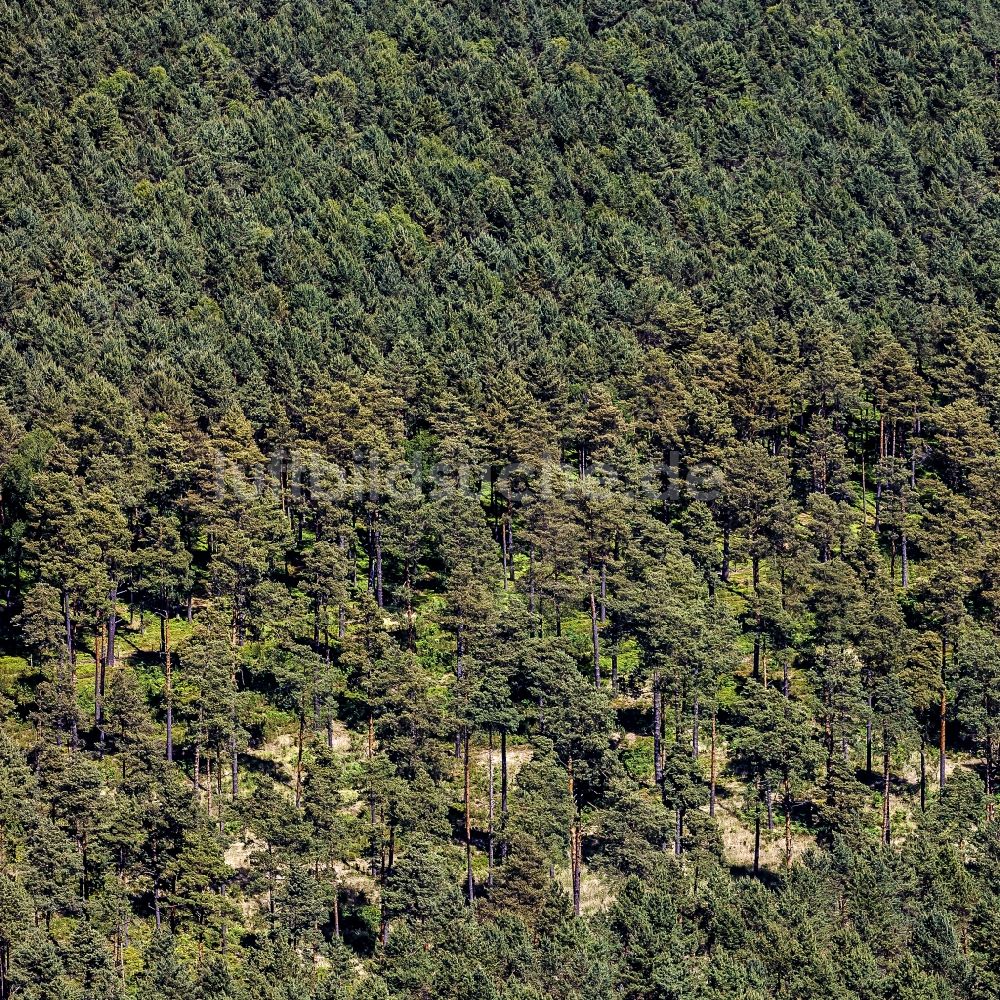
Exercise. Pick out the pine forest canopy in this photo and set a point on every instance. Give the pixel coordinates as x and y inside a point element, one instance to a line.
<point>499,499</point>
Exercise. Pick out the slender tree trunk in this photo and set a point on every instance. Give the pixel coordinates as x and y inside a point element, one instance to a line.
<point>756,840</point>
<point>943,759</point>
<point>378,568</point>
<point>504,553</point>
<point>489,877</point>
<point>923,769</point>
<point>614,654</point>
<point>988,757</point>
<point>531,584</point>
<point>510,540</point>
<point>169,688</point>
<point>595,642</point>
<point>757,624</point>
<point>657,727</point>
<point>878,485</point>
<point>503,792</point>
<point>98,657</point>
<point>71,663</point>
<point>711,786</point>
<point>788,822</point>
<point>574,844</point>
<point>695,727</point>
<point>109,658</point>
<point>868,737</point>
<point>904,551</point>
<point>234,761</point>
<point>197,759</point>
<point>298,760</point>
<point>468,823</point>
<point>886,807</point>
<point>864,488</point>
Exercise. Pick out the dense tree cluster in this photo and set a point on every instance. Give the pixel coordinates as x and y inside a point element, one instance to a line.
<point>499,500</point>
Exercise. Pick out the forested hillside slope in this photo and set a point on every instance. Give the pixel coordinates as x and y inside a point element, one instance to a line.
<point>499,500</point>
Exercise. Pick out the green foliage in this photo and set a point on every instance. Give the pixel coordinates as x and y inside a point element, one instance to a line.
<point>453,452</point>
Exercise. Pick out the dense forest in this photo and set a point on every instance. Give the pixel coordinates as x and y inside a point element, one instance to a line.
<point>499,500</point>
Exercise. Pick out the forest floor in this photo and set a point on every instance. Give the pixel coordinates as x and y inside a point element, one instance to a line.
<point>276,756</point>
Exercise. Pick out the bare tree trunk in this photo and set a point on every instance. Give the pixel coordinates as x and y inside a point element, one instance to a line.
<point>234,761</point>
<point>988,755</point>
<point>510,540</point>
<point>503,550</point>
<point>98,656</point>
<point>595,642</point>
<point>574,843</point>
<point>503,792</point>
<point>197,760</point>
<point>657,726</point>
<point>468,823</point>
<point>756,840</point>
<point>868,737</point>
<point>943,760</point>
<point>531,585</point>
<point>169,689</point>
<point>886,808</point>
<point>923,769</point>
<point>71,664</point>
<point>298,761</point>
<point>378,567</point>
<point>711,786</point>
<point>489,877</point>
<point>788,823</point>
<point>904,551</point>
